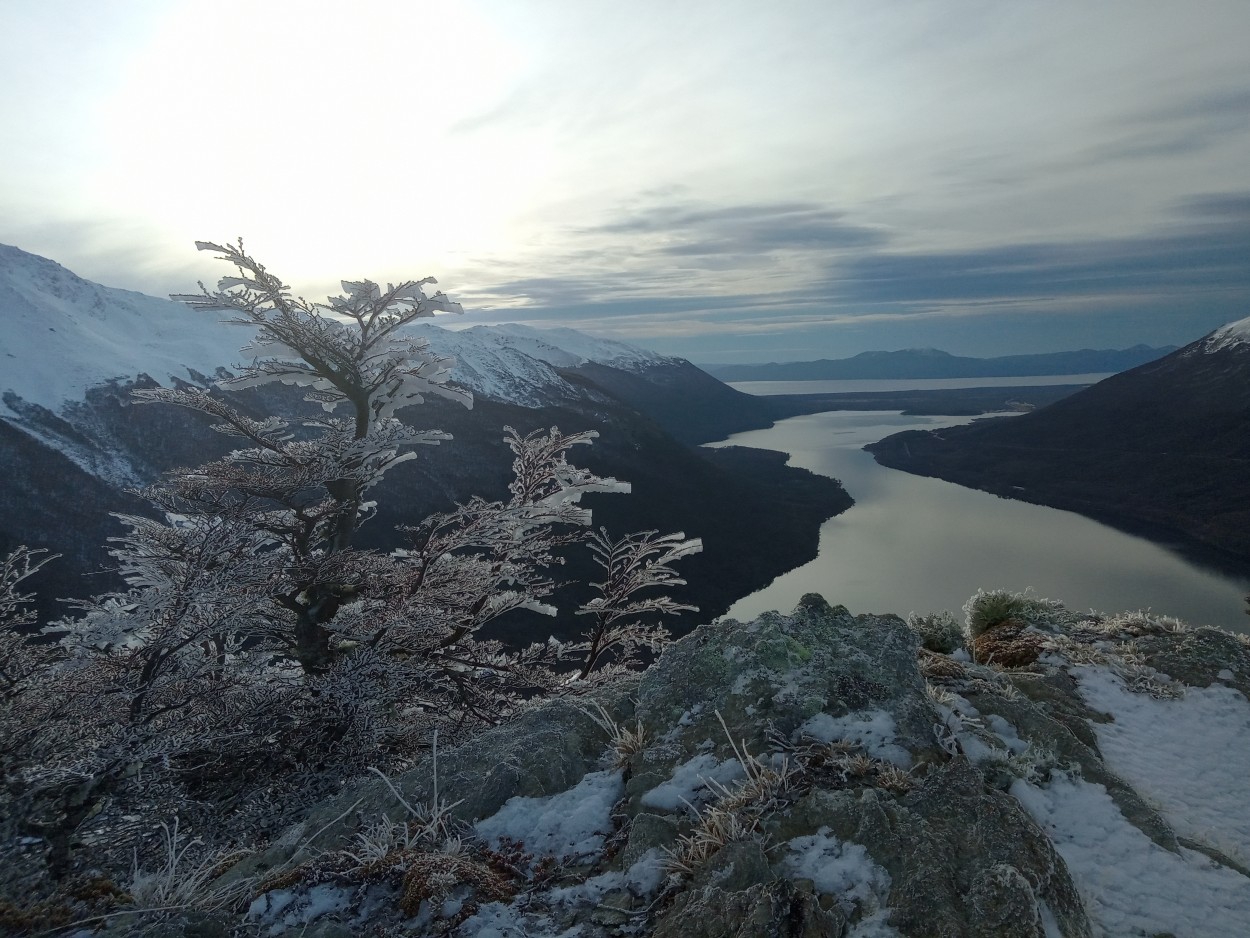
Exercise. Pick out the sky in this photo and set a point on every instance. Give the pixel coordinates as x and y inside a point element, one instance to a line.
<point>727,181</point>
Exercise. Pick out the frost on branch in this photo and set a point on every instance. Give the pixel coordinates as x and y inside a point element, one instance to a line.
<point>256,657</point>
<point>346,350</point>
<point>635,563</point>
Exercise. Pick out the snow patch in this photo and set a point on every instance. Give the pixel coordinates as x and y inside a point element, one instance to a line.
<point>846,872</point>
<point>1130,884</point>
<point>688,785</point>
<point>569,826</point>
<point>530,916</point>
<point>875,730</point>
<point>282,910</point>
<point>1188,756</point>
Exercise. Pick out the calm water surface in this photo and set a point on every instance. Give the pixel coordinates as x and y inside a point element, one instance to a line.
<point>912,543</point>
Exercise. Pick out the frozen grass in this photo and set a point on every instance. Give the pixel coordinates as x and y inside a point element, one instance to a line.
<point>625,741</point>
<point>182,883</point>
<point>937,631</point>
<point>736,814</point>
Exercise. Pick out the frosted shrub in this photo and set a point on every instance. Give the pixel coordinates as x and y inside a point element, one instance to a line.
<point>937,631</point>
<point>987,609</point>
<point>257,656</point>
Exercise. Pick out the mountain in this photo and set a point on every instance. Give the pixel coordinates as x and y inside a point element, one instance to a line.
<point>72,441</point>
<point>1163,448</point>
<point>933,363</point>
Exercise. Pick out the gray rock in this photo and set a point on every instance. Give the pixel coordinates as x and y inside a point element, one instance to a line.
<point>938,848</point>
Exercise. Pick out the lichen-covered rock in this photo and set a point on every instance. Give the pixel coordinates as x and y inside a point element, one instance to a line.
<point>802,775</point>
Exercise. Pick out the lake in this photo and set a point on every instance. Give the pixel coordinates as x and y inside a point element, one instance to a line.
<point>912,543</point>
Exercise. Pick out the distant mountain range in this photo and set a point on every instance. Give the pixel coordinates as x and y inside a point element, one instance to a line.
<point>933,363</point>
<point>72,442</point>
<point>1162,449</point>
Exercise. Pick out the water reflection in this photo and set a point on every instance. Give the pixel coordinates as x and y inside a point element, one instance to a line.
<point>914,543</point>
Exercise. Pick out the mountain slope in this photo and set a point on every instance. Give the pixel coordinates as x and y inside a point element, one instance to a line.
<point>72,440</point>
<point>1165,447</point>
<point>933,363</point>
<point>63,335</point>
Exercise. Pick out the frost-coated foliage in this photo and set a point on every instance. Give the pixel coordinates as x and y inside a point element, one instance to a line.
<point>937,631</point>
<point>256,658</point>
<point>988,608</point>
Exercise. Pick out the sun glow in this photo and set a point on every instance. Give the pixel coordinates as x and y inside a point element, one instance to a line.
<point>323,120</point>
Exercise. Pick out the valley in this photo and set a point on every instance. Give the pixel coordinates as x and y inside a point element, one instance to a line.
<point>913,543</point>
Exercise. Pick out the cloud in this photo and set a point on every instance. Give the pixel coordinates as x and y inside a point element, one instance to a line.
<point>1193,271</point>
<point>1198,258</point>
<point>746,229</point>
<point>1197,123</point>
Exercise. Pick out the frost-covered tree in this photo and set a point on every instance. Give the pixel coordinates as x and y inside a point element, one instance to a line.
<point>308,494</point>
<point>256,656</point>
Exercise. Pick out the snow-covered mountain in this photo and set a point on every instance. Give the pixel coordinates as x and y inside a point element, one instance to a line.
<point>63,335</point>
<point>73,441</point>
<point>1235,335</point>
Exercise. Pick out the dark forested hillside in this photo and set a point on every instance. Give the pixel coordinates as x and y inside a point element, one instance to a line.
<point>1164,447</point>
<point>757,516</point>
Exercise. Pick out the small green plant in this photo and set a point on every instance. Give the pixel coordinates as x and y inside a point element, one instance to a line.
<point>937,631</point>
<point>989,608</point>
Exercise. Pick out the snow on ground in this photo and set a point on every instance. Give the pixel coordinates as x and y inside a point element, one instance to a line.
<point>531,916</point>
<point>1190,757</point>
<point>844,871</point>
<point>688,785</point>
<point>571,825</point>
<point>1131,885</point>
<point>875,730</point>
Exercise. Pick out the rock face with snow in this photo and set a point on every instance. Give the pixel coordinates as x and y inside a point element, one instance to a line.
<point>821,774</point>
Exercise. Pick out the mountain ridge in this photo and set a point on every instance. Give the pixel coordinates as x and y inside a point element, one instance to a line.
<point>935,363</point>
<point>74,445</point>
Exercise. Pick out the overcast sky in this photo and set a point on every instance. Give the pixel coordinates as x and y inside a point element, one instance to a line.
<point>755,181</point>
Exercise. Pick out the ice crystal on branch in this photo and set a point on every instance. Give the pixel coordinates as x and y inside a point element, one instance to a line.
<point>256,656</point>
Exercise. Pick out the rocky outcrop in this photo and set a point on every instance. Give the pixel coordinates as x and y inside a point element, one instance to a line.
<point>816,774</point>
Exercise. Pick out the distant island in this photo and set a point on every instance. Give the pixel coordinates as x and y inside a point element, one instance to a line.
<point>934,363</point>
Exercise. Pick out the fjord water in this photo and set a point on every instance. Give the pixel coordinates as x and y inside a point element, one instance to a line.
<point>912,543</point>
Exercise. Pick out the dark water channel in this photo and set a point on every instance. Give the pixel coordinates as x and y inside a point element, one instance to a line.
<point>914,543</point>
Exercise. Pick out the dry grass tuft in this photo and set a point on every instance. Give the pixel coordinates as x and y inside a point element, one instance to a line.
<point>625,741</point>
